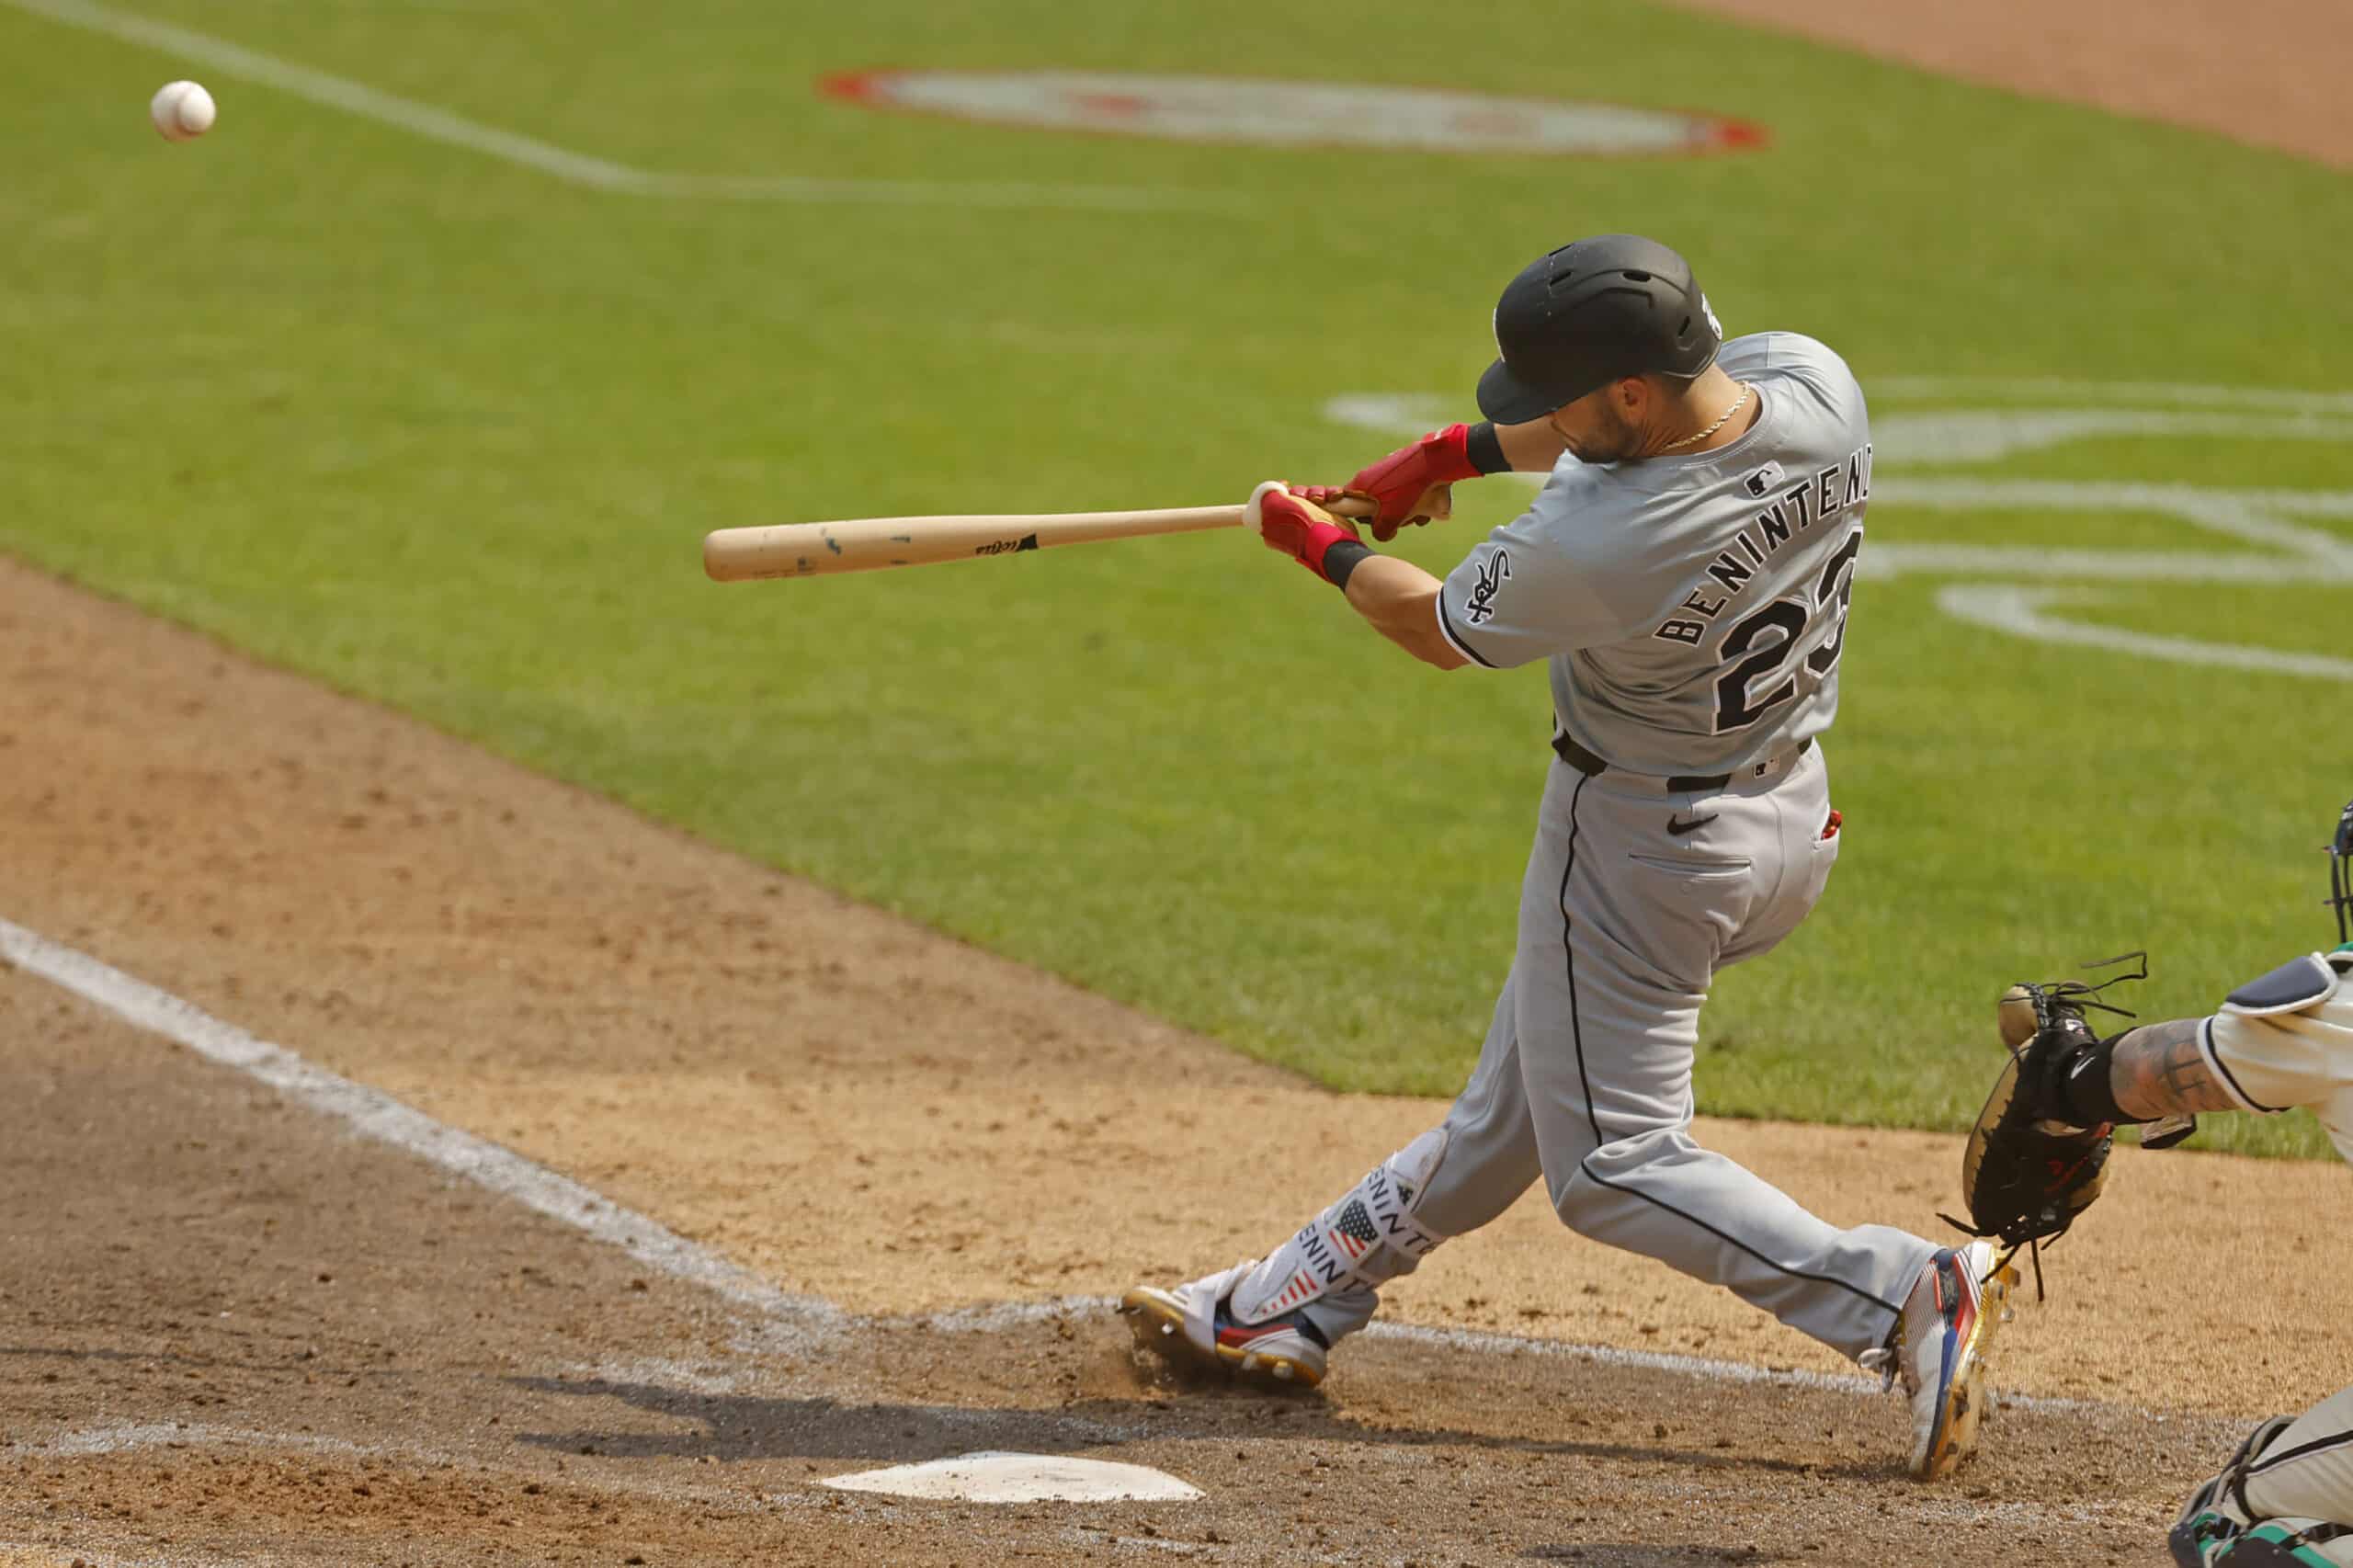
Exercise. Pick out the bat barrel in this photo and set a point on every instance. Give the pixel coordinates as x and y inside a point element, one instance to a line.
<point>870,544</point>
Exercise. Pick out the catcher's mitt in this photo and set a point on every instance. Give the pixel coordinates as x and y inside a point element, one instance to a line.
<point>2027,1171</point>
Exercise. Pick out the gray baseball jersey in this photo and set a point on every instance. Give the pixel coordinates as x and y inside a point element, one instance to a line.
<point>1694,608</point>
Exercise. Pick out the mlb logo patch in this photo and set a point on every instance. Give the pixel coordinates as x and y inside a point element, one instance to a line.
<point>1763,479</point>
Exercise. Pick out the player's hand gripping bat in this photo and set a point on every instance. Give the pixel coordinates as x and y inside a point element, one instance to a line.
<point>870,544</point>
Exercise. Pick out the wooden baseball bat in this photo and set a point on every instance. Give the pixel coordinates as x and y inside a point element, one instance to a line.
<point>870,544</point>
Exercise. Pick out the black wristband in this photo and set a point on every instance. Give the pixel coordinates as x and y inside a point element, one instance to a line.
<point>1485,448</point>
<point>1342,559</point>
<point>2088,1088</point>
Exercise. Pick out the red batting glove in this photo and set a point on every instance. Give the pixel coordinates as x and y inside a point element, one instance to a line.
<point>1298,528</point>
<point>1399,483</point>
<point>1437,505</point>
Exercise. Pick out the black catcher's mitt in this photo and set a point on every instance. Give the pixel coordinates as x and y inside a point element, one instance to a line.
<point>2027,1171</point>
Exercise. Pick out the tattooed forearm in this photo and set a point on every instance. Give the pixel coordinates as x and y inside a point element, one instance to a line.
<point>2158,1071</point>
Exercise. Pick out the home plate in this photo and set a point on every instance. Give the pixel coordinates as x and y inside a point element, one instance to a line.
<point>994,1477</point>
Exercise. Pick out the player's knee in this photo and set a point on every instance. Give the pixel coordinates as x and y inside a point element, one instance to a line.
<point>1584,1205</point>
<point>1590,1196</point>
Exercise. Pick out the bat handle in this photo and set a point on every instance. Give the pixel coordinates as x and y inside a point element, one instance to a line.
<point>1354,507</point>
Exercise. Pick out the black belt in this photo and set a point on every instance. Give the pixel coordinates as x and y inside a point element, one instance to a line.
<point>1585,762</point>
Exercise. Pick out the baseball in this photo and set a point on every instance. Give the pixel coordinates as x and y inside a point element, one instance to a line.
<point>2018,1020</point>
<point>181,110</point>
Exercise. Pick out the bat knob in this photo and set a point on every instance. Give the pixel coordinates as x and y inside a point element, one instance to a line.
<point>1252,517</point>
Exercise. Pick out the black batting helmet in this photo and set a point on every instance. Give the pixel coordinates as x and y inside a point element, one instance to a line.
<point>1590,312</point>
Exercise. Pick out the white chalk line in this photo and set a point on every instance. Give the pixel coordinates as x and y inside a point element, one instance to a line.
<point>803,1320</point>
<point>2045,389</point>
<point>1901,558</point>
<point>379,1116</point>
<point>1961,435</point>
<point>2021,612</point>
<point>583,169</point>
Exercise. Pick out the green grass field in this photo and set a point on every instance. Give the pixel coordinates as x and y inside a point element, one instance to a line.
<point>445,430</point>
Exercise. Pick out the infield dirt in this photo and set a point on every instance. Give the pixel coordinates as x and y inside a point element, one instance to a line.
<point>2264,72</point>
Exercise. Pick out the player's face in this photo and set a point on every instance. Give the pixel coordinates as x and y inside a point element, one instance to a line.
<point>1598,428</point>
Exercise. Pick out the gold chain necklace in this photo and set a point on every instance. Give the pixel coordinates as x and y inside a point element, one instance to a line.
<point>1737,404</point>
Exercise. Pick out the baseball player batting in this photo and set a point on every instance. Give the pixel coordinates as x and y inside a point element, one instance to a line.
<point>2282,1041</point>
<point>1686,571</point>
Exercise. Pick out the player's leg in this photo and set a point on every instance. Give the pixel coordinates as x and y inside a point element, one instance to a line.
<point>2286,1496</point>
<point>2307,1470</point>
<point>1277,1317</point>
<point>1618,944</point>
<point>1635,923</point>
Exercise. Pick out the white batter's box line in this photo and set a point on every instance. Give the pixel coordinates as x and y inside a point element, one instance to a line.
<point>583,169</point>
<point>379,1116</point>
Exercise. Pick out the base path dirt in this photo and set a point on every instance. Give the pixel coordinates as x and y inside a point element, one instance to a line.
<point>2268,73</point>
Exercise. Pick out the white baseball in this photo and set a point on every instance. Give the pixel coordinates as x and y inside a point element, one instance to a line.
<point>181,110</point>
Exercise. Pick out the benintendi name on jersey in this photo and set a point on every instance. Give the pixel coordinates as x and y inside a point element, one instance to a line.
<point>1798,509</point>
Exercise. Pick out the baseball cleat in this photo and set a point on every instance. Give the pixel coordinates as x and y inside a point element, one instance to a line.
<point>1939,1352</point>
<point>1193,1325</point>
<point>2216,1516</point>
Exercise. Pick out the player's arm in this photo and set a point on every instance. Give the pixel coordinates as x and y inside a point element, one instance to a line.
<point>1401,601</point>
<point>1398,598</point>
<point>1520,595</point>
<point>1415,484</point>
<point>2157,1071</point>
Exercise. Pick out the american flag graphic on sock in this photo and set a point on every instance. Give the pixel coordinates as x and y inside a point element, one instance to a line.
<point>1354,1234</point>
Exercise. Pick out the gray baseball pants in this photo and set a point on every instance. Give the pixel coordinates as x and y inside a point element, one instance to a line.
<point>2307,1471</point>
<point>1585,1076</point>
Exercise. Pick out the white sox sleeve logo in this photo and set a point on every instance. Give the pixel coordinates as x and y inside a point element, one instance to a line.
<point>1492,576</point>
